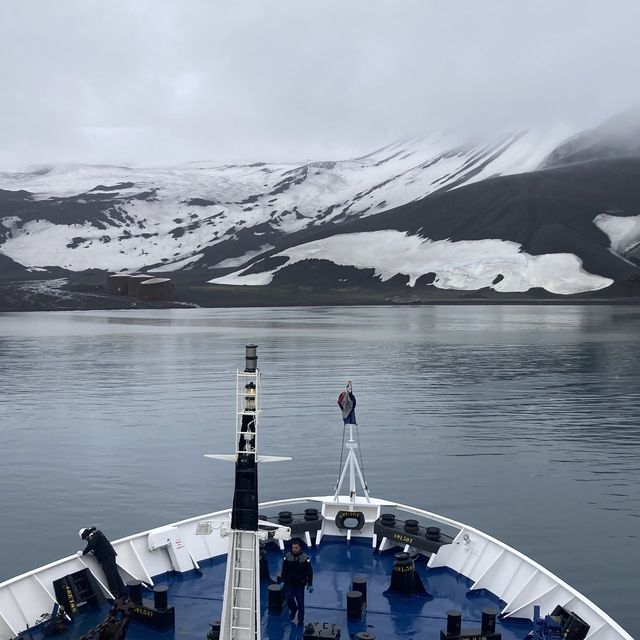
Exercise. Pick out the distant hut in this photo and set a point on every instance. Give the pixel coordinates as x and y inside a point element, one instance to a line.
<point>135,281</point>
<point>118,284</point>
<point>156,289</point>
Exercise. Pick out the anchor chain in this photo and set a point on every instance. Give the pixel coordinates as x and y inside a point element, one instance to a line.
<point>112,627</point>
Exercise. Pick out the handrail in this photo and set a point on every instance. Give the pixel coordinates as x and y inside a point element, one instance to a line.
<point>462,527</point>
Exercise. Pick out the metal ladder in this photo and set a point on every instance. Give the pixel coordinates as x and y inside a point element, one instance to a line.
<point>241,608</point>
<point>242,565</point>
<point>241,605</point>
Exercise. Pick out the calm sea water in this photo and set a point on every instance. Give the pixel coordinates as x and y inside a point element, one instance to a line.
<point>522,421</point>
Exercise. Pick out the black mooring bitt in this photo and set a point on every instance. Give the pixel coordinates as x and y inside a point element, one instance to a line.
<point>355,605</point>
<point>275,599</point>
<point>405,580</point>
<point>455,631</point>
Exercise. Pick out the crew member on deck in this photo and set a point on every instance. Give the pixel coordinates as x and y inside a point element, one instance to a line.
<point>296,574</point>
<point>106,555</point>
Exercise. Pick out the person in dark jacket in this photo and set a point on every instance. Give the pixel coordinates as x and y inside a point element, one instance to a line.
<point>105,554</point>
<point>296,574</point>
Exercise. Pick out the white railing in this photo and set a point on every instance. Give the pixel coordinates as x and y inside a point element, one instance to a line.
<point>489,563</point>
<point>25,598</point>
<point>515,578</point>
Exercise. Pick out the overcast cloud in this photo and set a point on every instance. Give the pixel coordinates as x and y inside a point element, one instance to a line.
<point>158,82</point>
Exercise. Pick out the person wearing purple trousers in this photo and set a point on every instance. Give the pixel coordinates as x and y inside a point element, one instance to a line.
<point>296,574</point>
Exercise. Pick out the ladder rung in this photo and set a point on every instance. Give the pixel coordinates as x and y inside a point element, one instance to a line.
<point>242,569</point>
<point>241,608</point>
<point>242,628</point>
<point>243,588</point>
<point>243,549</point>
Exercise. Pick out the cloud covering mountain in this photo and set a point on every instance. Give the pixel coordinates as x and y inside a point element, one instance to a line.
<point>511,214</point>
<point>150,82</point>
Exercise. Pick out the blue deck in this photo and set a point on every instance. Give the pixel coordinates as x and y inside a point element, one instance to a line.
<point>197,598</point>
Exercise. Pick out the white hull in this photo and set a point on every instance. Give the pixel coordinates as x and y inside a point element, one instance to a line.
<point>489,563</point>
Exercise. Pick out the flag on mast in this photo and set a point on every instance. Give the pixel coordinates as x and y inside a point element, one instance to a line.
<point>347,404</point>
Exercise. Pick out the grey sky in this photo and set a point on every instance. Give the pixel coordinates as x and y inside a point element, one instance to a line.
<point>156,82</point>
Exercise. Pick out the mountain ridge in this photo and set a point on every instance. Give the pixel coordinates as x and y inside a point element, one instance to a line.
<point>205,216</point>
<point>515,213</point>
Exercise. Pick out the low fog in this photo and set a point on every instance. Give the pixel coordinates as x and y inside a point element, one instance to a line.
<point>155,83</point>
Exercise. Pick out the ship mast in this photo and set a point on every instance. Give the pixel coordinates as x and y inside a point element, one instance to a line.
<point>351,465</point>
<point>241,604</point>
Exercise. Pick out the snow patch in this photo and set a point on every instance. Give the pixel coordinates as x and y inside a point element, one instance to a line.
<point>467,265</point>
<point>179,264</point>
<point>9,222</point>
<point>245,257</point>
<point>623,231</point>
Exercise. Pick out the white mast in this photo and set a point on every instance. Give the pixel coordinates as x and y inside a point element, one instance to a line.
<point>351,466</point>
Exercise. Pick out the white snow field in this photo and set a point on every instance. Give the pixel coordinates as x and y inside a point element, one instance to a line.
<point>623,231</point>
<point>465,265</point>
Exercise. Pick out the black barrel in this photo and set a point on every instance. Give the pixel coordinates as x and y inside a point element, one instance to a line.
<point>285,517</point>
<point>311,514</point>
<point>365,635</point>
<point>454,622</point>
<point>160,601</point>
<point>355,605</point>
<point>276,599</point>
<point>360,584</point>
<point>488,621</point>
<point>134,587</point>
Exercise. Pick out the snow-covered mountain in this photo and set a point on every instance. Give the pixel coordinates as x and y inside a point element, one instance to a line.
<point>515,214</point>
<point>567,230</point>
<point>119,218</point>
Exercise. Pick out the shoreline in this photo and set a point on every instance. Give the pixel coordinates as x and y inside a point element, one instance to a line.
<point>87,291</point>
<point>131,304</point>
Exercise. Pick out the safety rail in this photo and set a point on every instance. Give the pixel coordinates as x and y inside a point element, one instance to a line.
<point>489,563</point>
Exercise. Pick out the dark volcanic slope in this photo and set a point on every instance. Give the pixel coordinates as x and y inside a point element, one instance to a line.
<point>9,267</point>
<point>548,211</point>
